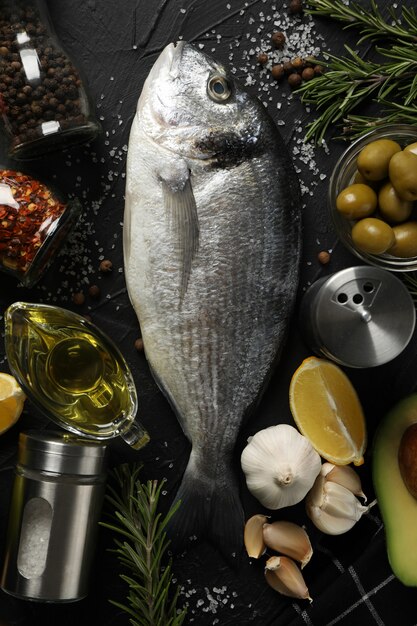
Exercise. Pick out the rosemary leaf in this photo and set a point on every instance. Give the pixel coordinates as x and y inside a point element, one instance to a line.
<point>150,601</point>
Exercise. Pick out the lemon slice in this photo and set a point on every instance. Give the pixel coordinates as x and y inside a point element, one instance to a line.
<point>12,400</point>
<point>328,412</point>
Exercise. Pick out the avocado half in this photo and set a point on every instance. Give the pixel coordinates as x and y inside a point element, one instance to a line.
<point>398,507</point>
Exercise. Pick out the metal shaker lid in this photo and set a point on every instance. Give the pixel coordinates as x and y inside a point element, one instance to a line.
<point>363,316</point>
<point>61,453</point>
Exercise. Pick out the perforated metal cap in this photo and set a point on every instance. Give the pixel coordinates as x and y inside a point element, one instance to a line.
<point>360,317</point>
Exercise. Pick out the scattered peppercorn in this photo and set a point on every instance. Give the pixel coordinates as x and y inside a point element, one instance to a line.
<point>139,344</point>
<point>288,67</point>
<point>278,40</point>
<point>262,58</point>
<point>323,257</point>
<point>295,7</point>
<point>106,266</point>
<point>94,291</point>
<point>298,63</point>
<point>277,72</point>
<point>78,298</point>
<point>308,73</point>
<point>318,69</point>
<point>294,80</point>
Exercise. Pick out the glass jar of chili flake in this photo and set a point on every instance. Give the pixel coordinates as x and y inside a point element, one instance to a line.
<point>34,220</point>
<point>43,102</point>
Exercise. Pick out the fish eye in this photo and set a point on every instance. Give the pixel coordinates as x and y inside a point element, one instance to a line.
<point>218,88</point>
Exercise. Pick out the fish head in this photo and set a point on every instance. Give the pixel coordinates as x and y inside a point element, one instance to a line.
<point>191,105</point>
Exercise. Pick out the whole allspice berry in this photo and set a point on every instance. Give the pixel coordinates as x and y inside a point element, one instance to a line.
<point>139,344</point>
<point>318,70</point>
<point>295,7</point>
<point>277,72</point>
<point>298,63</point>
<point>262,58</point>
<point>323,257</point>
<point>308,73</point>
<point>278,40</point>
<point>78,298</point>
<point>94,291</point>
<point>288,67</point>
<point>294,80</point>
<point>106,266</point>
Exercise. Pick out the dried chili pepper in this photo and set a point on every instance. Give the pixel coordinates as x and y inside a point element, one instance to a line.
<point>29,215</point>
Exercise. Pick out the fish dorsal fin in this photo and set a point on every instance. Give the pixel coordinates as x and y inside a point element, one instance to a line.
<point>181,207</point>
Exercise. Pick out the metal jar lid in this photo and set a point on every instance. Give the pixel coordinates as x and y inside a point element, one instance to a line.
<point>61,453</point>
<point>359,317</point>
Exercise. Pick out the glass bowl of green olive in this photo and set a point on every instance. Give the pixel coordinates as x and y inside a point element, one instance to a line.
<point>373,197</point>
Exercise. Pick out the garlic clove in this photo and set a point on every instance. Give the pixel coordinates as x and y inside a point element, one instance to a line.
<point>333,508</point>
<point>344,475</point>
<point>328,523</point>
<point>283,575</point>
<point>340,502</point>
<point>253,536</point>
<point>289,539</point>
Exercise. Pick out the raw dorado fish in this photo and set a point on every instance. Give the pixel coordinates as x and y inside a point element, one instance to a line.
<point>211,246</point>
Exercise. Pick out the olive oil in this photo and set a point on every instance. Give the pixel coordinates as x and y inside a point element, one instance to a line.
<point>72,371</point>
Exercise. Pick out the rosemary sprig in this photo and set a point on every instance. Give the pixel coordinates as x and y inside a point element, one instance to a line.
<point>141,550</point>
<point>351,80</point>
<point>371,23</point>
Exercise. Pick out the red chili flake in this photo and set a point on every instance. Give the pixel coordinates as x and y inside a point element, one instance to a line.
<point>23,229</point>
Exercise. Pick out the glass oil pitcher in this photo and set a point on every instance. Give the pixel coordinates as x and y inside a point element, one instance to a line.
<point>72,372</point>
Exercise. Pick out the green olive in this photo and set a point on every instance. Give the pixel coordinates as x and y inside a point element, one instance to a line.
<point>356,201</point>
<point>392,207</point>
<point>372,235</point>
<point>405,245</point>
<point>403,174</point>
<point>374,158</point>
<point>412,147</point>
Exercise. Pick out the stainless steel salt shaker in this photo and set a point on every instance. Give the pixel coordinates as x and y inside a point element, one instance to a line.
<point>56,505</point>
<point>360,317</point>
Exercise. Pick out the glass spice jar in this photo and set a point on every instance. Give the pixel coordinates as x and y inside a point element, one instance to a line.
<point>43,102</point>
<point>34,220</point>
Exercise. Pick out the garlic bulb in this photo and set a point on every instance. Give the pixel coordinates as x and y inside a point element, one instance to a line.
<point>280,466</point>
<point>283,575</point>
<point>333,508</point>
<point>289,539</point>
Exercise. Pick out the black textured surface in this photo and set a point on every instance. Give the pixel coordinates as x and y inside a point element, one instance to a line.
<point>115,44</point>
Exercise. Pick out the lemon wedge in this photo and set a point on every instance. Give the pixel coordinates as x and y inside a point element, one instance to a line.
<point>12,399</point>
<point>327,411</point>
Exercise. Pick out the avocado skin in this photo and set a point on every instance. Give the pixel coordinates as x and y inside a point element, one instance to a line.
<point>398,507</point>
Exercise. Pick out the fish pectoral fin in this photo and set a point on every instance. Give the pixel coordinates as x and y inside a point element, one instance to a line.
<point>180,204</point>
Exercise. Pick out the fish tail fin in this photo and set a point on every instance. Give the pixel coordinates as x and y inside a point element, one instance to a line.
<point>208,510</point>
